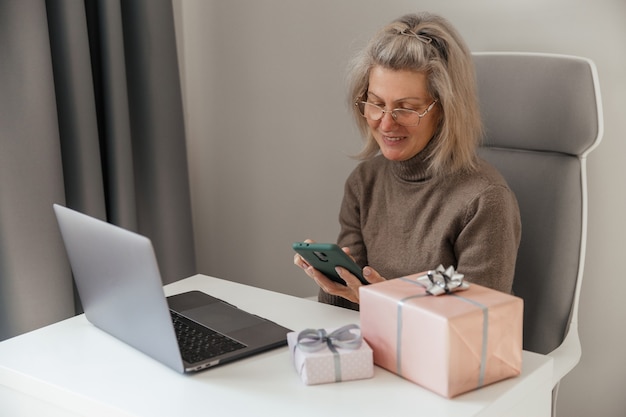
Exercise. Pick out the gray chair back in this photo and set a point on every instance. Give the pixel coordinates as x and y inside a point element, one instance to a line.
<point>542,116</point>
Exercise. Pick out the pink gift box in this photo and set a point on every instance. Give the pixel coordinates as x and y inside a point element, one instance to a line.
<point>324,366</point>
<point>449,344</point>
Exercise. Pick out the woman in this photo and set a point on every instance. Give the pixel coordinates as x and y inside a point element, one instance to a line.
<point>421,197</point>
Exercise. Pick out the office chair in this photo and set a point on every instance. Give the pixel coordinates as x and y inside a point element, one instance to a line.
<point>542,116</point>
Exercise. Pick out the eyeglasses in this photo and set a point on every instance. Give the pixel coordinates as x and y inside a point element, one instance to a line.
<point>404,117</point>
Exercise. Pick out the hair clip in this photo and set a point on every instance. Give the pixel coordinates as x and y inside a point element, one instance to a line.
<point>425,39</point>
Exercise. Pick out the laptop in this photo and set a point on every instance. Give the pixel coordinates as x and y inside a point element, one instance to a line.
<point>119,284</point>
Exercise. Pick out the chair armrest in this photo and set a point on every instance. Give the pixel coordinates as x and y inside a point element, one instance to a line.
<point>567,355</point>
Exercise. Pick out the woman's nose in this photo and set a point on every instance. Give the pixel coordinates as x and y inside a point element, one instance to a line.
<point>387,121</point>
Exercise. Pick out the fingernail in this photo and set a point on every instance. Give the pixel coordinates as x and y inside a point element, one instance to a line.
<point>367,271</point>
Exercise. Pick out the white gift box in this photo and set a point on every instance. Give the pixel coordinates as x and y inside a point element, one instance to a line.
<point>322,357</point>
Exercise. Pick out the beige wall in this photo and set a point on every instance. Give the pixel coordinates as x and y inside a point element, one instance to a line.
<point>269,141</point>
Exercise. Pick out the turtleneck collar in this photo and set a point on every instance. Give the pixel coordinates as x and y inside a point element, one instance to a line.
<point>414,169</point>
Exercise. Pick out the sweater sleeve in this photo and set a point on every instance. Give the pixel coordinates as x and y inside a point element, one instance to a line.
<point>350,234</point>
<point>486,248</point>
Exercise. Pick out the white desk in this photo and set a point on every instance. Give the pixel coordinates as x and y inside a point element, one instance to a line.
<point>71,368</point>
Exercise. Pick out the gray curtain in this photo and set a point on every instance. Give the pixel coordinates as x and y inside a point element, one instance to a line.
<point>90,117</point>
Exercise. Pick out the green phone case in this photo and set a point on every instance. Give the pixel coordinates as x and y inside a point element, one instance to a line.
<point>325,257</point>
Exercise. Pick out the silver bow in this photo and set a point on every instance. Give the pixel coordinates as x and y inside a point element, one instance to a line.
<point>311,340</point>
<point>443,281</point>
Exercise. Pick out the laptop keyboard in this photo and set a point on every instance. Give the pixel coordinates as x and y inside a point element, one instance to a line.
<point>198,343</point>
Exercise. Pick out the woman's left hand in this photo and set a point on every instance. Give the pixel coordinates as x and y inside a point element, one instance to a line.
<point>350,291</point>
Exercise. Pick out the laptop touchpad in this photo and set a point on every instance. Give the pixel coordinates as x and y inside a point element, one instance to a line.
<point>222,317</point>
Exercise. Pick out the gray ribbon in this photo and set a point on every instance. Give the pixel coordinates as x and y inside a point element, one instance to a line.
<point>312,340</point>
<point>483,353</point>
<point>400,324</point>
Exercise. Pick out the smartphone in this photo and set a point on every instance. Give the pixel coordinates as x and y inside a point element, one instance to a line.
<point>325,257</point>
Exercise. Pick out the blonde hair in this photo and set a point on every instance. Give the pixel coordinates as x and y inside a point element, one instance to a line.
<point>426,43</point>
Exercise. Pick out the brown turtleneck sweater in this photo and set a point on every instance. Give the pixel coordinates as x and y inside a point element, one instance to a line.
<point>400,221</point>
